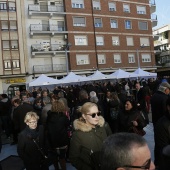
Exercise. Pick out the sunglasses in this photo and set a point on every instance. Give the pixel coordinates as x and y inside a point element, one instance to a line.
<point>147,166</point>
<point>93,115</point>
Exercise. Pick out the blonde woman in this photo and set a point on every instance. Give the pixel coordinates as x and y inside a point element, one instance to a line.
<point>87,139</point>
<point>30,140</point>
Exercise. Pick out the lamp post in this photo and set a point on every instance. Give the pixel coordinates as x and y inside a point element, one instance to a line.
<point>137,53</point>
<point>66,54</point>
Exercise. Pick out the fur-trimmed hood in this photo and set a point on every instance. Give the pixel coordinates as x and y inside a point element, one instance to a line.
<point>82,126</point>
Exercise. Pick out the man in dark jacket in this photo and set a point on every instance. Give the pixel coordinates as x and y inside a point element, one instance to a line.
<point>5,112</point>
<point>162,134</point>
<point>83,98</point>
<point>158,102</point>
<point>140,100</point>
<point>21,112</point>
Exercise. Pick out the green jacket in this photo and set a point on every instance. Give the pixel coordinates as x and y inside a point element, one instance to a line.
<point>86,141</point>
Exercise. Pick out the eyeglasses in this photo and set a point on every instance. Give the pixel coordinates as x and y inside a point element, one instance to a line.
<point>93,115</point>
<point>33,122</point>
<point>146,167</point>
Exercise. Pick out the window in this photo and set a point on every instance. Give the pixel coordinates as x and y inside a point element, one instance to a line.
<point>4,25</point>
<point>79,21</point>
<point>15,64</point>
<point>129,41</point>
<point>144,41</point>
<point>128,24</point>
<point>5,45</point>
<point>14,44</point>
<point>82,59</point>
<point>13,25</point>
<point>12,6</point>
<point>113,23</point>
<point>101,59</point>
<point>146,58</point>
<point>77,3</point>
<point>131,58</point>
<point>141,9</point>
<point>96,5</point>
<point>7,64</point>
<point>98,22</point>
<point>80,40</point>
<point>3,6</point>
<point>117,58</point>
<point>143,25</point>
<point>126,8</point>
<point>112,6</point>
<point>115,40</point>
<point>99,40</point>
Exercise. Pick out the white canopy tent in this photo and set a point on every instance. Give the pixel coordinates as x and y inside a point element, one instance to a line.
<point>98,76</point>
<point>73,78</point>
<point>144,74</point>
<point>43,80</point>
<point>121,74</point>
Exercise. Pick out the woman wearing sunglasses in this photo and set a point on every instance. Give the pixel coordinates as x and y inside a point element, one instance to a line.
<point>90,132</point>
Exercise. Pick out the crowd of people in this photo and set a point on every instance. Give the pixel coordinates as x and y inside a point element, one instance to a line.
<point>88,125</point>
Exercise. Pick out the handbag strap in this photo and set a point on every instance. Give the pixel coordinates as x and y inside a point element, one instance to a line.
<point>40,149</point>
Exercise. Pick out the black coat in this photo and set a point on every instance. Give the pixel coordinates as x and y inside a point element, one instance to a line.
<point>20,115</point>
<point>162,136</point>
<point>158,105</point>
<point>5,107</point>
<point>125,119</point>
<point>56,127</point>
<point>140,98</point>
<point>27,149</point>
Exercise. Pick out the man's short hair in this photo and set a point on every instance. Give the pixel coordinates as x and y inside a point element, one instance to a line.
<point>83,95</point>
<point>165,85</point>
<point>117,150</point>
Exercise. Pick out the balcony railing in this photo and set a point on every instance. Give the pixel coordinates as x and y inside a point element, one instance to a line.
<point>47,47</point>
<point>49,68</point>
<point>152,6</point>
<point>154,20</point>
<point>45,8</point>
<point>46,27</point>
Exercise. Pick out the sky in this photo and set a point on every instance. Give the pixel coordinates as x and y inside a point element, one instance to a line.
<point>162,12</point>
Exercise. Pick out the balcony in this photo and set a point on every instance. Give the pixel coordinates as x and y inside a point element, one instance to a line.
<point>46,29</point>
<point>49,68</point>
<point>152,6</point>
<point>51,10</point>
<point>47,49</point>
<point>154,20</point>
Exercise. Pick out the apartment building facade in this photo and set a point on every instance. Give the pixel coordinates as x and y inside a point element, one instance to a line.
<point>13,56</point>
<point>162,49</point>
<point>82,36</point>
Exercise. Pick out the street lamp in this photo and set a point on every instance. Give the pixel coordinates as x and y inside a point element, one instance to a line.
<point>137,53</point>
<point>66,54</point>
